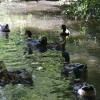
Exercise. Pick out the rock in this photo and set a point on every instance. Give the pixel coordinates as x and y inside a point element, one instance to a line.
<point>39,68</point>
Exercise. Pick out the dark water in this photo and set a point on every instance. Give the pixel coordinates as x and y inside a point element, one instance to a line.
<point>94,73</point>
<point>92,28</point>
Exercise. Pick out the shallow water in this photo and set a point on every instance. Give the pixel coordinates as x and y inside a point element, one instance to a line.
<point>47,82</point>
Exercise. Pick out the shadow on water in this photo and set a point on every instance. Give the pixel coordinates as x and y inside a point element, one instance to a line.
<point>93,50</point>
<point>94,78</point>
<point>94,71</point>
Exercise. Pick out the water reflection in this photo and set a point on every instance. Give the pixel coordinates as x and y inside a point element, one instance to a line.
<point>94,72</point>
<point>2,95</point>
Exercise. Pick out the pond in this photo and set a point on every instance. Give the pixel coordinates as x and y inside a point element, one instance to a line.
<point>91,54</point>
<point>83,48</point>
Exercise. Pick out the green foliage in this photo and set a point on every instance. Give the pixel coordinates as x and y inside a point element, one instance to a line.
<point>83,9</point>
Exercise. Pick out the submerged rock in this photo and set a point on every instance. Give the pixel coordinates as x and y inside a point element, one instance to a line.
<point>39,68</point>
